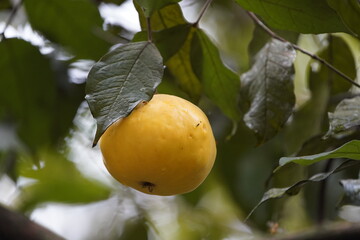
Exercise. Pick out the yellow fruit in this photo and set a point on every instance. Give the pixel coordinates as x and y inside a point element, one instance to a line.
<point>164,147</point>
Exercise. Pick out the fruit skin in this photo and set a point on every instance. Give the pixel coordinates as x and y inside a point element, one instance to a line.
<point>164,147</point>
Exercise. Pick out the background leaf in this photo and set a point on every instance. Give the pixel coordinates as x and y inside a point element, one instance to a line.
<point>179,65</point>
<point>295,188</point>
<point>24,76</point>
<point>350,150</point>
<point>76,25</point>
<point>268,87</point>
<point>151,6</point>
<point>326,88</point>
<point>349,11</point>
<point>345,116</point>
<point>122,79</point>
<point>303,16</point>
<point>5,4</point>
<point>175,35</point>
<point>58,181</point>
<point>221,85</point>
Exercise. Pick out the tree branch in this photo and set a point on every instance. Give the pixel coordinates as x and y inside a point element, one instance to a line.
<point>16,226</point>
<point>313,56</point>
<point>344,231</point>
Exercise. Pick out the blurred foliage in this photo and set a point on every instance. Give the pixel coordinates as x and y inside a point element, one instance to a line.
<point>56,180</point>
<point>46,154</point>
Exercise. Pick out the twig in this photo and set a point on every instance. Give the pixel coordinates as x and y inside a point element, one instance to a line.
<point>203,10</point>
<point>9,20</point>
<point>148,28</point>
<point>313,56</point>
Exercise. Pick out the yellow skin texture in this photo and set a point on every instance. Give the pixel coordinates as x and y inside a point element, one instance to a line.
<point>164,147</point>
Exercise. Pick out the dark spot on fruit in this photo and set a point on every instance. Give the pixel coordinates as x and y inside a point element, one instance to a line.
<point>198,124</point>
<point>150,186</point>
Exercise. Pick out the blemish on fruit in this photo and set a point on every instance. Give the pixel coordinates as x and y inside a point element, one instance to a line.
<point>198,124</point>
<point>150,186</point>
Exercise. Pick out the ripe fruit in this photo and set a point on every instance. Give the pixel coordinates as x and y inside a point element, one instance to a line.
<point>164,147</point>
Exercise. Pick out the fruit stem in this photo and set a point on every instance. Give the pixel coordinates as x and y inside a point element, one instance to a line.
<point>149,32</point>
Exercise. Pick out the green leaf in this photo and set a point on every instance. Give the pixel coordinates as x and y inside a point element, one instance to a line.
<point>178,65</point>
<point>268,86</point>
<point>350,150</point>
<point>169,41</point>
<point>76,25</point>
<point>220,84</point>
<point>345,116</point>
<point>122,79</point>
<point>167,17</point>
<point>151,6</point>
<point>303,16</point>
<point>57,181</point>
<point>27,91</point>
<point>294,189</point>
<point>349,11</point>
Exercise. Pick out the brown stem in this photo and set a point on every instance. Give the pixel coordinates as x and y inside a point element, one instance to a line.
<point>313,56</point>
<point>16,226</point>
<point>148,28</point>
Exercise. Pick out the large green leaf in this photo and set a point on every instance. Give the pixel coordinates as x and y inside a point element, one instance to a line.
<point>27,91</point>
<point>350,150</point>
<point>304,16</point>
<point>345,116</point>
<point>151,6</point>
<point>57,181</point>
<point>349,11</point>
<point>122,79</point>
<point>179,64</point>
<point>76,25</point>
<point>268,87</point>
<point>294,189</point>
<point>221,85</point>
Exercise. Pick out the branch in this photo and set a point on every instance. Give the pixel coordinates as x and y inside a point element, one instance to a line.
<point>313,56</point>
<point>203,10</point>
<point>332,232</point>
<point>9,20</point>
<point>16,226</point>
